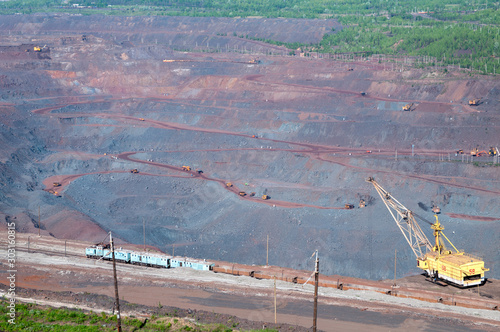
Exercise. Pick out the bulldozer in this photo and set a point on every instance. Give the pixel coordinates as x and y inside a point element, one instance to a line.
<point>134,171</point>
<point>186,168</point>
<point>474,102</point>
<point>407,107</point>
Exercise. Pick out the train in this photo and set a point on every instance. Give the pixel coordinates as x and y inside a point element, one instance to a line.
<point>147,259</point>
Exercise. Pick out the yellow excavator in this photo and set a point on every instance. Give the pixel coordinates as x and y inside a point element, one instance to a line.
<point>452,266</point>
<point>407,107</point>
<point>476,153</point>
<point>474,102</point>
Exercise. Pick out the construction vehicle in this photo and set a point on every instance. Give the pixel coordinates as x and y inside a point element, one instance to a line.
<point>476,153</point>
<point>55,193</point>
<point>407,107</point>
<point>460,151</point>
<point>349,206</point>
<point>134,171</point>
<point>254,61</point>
<point>265,197</point>
<point>229,184</point>
<point>493,151</point>
<point>242,193</point>
<point>435,209</point>
<point>452,266</point>
<point>363,93</point>
<point>37,49</point>
<point>350,69</point>
<point>141,119</point>
<point>199,171</point>
<point>362,203</point>
<point>255,136</point>
<point>252,194</point>
<point>474,102</point>
<point>186,168</point>
<point>56,184</point>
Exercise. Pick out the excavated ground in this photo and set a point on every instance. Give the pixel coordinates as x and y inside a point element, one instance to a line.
<point>56,273</point>
<point>99,100</point>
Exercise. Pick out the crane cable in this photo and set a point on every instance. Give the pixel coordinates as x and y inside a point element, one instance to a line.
<point>422,218</point>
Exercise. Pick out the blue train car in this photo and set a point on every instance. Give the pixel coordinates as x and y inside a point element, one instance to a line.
<point>159,261</point>
<point>177,262</point>
<point>104,253</point>
<point>138,258</point>
<point>150,260</point>
<point>198,264</point>
<point>121,255</point>
<point>90,252</point>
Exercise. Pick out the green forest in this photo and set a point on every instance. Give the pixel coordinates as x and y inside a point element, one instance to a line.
<point>447,32</point>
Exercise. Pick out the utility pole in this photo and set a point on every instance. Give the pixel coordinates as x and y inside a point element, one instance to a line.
<point>395,256</point>
<point>316,277</point>
<point>38,220</point>
<point>144,232</point>
<point>267,250</point>
<point>117,299</point>
<point>275,318</point>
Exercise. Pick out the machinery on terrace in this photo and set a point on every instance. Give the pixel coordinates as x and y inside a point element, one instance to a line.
<point>475,101</point>
<point>407,107</point>
<point>476,153</point>
<point>452,266</point>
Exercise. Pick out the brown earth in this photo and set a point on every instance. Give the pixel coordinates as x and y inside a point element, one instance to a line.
<point>56,273</point>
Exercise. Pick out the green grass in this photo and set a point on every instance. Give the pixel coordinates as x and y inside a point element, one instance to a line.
<point>30,317</point>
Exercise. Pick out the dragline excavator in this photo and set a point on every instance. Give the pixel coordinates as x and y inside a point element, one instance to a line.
<point>452,266</point>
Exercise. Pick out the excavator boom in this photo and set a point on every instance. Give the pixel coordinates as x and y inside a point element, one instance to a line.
<point>458,268</point>
<point>405,220</point>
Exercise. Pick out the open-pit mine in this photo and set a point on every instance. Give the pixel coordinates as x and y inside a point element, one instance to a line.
<point>184,135</point>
